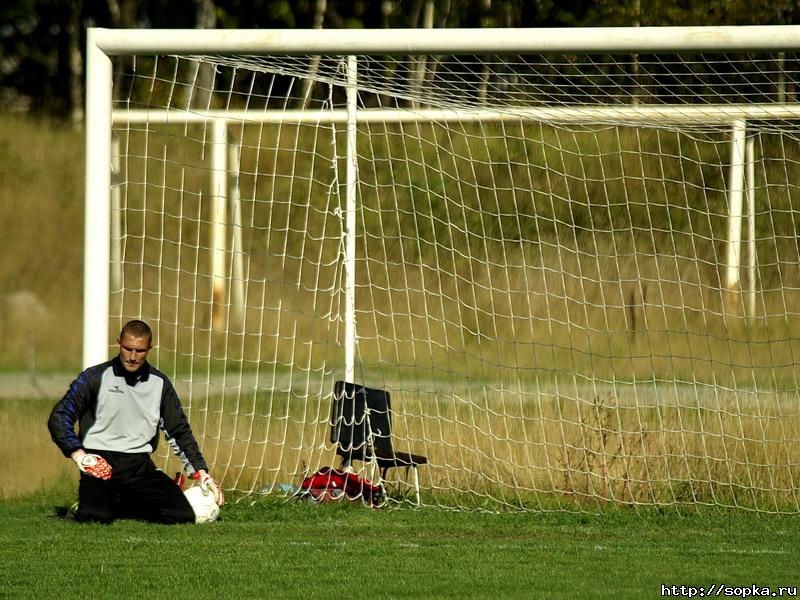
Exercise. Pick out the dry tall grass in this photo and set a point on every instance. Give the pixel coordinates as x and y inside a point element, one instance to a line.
<point>569,341</point>
<point>29,461</point>
<point>41,220</point>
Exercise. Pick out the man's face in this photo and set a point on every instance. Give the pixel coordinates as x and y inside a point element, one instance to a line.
<point>133,351</point>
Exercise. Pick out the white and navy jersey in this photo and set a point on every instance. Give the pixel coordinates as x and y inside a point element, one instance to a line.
<point>118,411</point>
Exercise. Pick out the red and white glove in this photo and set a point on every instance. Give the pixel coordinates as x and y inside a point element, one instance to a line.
<point>92,464</point>
<point>208,484</point>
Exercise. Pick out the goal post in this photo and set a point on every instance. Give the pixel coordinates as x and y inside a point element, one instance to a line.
<point>98,205</point>
<point>568,254</point>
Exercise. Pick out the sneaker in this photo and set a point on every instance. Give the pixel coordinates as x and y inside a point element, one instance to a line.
<point>71,512</point>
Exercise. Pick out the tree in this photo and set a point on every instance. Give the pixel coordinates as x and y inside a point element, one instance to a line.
<point>41,57</point>
<point>75,62</point>
<point>42,41</point>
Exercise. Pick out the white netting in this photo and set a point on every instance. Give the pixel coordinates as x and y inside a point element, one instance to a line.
<point>549,298</point>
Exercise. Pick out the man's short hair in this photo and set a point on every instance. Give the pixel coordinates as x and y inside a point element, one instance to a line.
<point>138,329</point>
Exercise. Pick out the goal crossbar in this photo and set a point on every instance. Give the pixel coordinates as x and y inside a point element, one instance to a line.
<point>441,41</point>
<point>633,115</point>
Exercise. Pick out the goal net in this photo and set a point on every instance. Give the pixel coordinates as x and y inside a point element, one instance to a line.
<point>572,263</point>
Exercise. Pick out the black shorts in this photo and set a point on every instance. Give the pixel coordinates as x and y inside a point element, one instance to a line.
<point>135,490</point>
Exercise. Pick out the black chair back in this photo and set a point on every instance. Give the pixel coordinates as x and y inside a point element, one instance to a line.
<point>349,424</point>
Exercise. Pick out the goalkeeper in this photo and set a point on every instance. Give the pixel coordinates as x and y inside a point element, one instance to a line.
<point>119,407</point>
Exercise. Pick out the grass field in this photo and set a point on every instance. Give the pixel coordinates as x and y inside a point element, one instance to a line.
<point>294,549</point>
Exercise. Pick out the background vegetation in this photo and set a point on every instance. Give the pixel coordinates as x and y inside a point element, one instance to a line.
<point>618,444</point>
<point>41,270</point>
<point>42,41</point>
<point>42,74</point>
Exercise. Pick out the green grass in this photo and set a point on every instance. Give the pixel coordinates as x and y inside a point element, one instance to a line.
<point>293,549</point>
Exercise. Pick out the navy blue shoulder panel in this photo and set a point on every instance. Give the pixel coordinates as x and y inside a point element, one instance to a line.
<point>78,405</point>
<point>176,427</point>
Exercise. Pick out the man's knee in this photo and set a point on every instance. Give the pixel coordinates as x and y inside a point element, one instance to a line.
<point>177,510</point>
<point>96,514</point>
<point>175,517</point>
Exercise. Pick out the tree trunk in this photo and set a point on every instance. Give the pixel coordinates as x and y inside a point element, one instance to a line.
<point>313,67</point>
<point>422,60</point>
<point>201,75</point>
<point>123,16</point>
<point>75,64</point>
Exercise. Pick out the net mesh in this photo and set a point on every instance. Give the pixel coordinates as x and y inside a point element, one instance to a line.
<point>567,308</point>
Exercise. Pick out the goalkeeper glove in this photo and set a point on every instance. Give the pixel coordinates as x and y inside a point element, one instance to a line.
<point>92,464</point>
<point>207,484</point>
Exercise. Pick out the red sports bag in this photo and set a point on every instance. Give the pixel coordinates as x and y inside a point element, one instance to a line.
<point>330,484</point>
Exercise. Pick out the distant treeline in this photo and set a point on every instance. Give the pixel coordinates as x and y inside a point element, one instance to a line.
<point>42,41</point>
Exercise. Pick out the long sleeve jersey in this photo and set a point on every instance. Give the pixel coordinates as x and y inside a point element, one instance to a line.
<point>120,411</point>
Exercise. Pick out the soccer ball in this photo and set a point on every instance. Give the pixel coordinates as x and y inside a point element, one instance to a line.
<point>203,504</point>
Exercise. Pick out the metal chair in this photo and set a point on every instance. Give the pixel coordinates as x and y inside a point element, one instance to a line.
<point>361,429</point>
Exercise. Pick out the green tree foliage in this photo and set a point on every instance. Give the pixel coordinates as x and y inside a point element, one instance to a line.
<point>34,70</point>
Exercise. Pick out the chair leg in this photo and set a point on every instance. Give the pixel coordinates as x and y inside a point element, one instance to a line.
<point>403,481</point>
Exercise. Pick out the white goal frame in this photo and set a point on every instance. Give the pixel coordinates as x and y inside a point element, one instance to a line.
<point>629,153</point>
